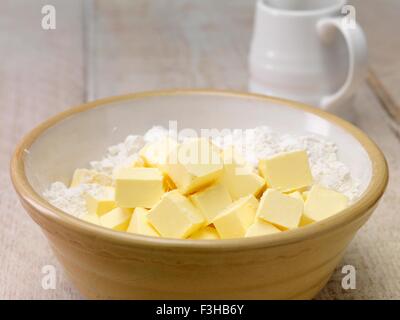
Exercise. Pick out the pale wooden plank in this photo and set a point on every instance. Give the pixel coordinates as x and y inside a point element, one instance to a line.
<point>146,45</point>
<point>41,73</point>
<point>380,20</point>
<point>386,100</point>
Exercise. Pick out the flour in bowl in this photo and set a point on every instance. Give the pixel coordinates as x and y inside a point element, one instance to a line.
<point>257,143</point>
<point>70,200</point>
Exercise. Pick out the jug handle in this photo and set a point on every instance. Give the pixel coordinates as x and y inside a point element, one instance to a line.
<point>357,49</point>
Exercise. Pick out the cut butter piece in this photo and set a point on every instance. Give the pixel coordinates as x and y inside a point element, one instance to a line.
<point>261,228</point>
<point>140,223</point>
<point>211,201</point>
<point>300,196</point>
<point>155,154</point>
<point>297,195</point>
<point>138,187</point>
<point>194,164</point>
<point>234,220</point>
<point>305,221</point>
<point>174,216</point>
<point>323,203</point>
<point>100,202</point>
<point>138,162</point>
<point>206,233</point>
<point>238,177</point>
<point>287,172</point>
<point>280,209</point>
<point>117,219</point>
<point>82,176</point>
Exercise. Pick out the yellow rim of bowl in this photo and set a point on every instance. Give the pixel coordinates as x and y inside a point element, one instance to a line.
<point>368,199</point>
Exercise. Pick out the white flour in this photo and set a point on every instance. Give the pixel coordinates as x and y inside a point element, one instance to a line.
<point>119,155</point>
<point>255,144</point>
<point>70,200</point>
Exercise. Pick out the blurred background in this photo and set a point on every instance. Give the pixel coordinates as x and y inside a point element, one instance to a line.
<point>101,48</point>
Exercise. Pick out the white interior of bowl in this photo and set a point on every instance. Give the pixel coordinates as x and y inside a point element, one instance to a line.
<point>85,136</point>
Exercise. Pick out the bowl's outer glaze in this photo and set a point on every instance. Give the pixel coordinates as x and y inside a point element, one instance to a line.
<point>106,264</point>
<point>107,270</point>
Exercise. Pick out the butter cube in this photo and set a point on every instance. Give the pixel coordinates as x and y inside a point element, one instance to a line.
<point>296,195</point>
<point>261,228</point>
<point>168,183</point>
<point>211,201</point>
<point>92,218</point>
<point>194,164</point>
<point>116,219</point>
<point>135,163</point>
<point>82,176</point>
<point>155,154</point>
<point>280,209</point>
<point>140,223</point>
<point>174,216</point>
<point>138,187</point>
<point>206,233</point>
<point>238,177</point>
<point>100,202</point>
<point>287,172</point>
<point>305,221</point>
<point>323,203</point>
<point>234,221</point>
<point>300,196</point>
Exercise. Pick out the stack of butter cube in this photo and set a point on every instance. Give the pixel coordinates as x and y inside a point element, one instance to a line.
<point>194,190</point>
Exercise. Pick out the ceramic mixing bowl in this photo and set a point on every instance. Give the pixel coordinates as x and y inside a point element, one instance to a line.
<point>103,263</point>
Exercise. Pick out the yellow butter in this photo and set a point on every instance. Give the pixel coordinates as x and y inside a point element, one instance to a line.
<point>234,221</point>
<point>138,163</point>
<point>305,221</point>
<point>140,223</point>
<point>206,233</point>
<point>323,203</point>
<point>280,209</point>
<point>287,172</point>
<point>193,165</point>
<point>116,219</point>
<point>138,187</point>
<point>211,201</point>
<point>238,177</point>
<point>100,202</point>
<point>135,163</point>
<point>81,176</point>
<point>261,228</point>
<point>300,196</point>
<point>155,154</point>
<point>92,218</point>
<point>305,195</point>
<point>168,183</point>
<point>297,195</point>
<point>174,216</point>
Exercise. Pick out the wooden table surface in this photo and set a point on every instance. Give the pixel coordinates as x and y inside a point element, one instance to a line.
<point>103,48</point>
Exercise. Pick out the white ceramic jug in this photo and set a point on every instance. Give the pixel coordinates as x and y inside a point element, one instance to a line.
<point>307,50</point>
